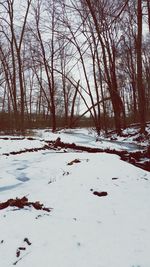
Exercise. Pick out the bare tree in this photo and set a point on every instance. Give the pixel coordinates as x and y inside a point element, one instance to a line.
<point>15,37</point>
<point>140,85</point>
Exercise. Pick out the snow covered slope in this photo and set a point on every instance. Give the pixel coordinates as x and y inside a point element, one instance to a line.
<point>82,230</point>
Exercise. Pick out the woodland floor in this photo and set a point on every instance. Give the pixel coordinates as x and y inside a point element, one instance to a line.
<point>62,206</point>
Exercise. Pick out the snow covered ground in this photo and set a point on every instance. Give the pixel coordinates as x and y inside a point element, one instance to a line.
<point>79,136</point>
<point>7,146</point>
<point>88,137</point>
<point>83,229</point>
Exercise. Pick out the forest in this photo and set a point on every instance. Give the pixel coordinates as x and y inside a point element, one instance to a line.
<point>74,62</point>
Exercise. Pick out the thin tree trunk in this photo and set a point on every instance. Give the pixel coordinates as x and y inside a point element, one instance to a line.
<point>140,86</point>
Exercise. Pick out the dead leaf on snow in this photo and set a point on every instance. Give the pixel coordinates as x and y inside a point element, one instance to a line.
<point>100,194</point>
<point>73,161</point>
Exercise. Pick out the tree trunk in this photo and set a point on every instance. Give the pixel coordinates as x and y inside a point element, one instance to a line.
<point>140,86</point>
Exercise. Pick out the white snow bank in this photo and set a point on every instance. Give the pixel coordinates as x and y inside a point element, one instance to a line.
<point>7,146</point>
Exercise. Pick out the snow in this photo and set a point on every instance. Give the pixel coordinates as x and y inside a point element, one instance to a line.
<point>7,146</point>
<point>82,229</point>
<point>88,137</point>
<point>79,136</point>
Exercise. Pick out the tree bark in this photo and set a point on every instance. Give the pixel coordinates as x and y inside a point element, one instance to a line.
<point>140,85</point>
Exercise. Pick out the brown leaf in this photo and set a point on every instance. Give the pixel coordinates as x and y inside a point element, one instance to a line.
<point>74,161</point>
<point>100,194</point>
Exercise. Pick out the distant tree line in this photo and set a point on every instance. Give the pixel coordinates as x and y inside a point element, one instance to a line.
<point>59,57</point>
